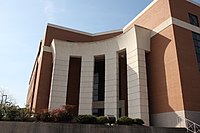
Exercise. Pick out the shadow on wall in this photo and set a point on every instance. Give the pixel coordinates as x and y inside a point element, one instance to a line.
<point>161,112</point>
<point>137,90</point>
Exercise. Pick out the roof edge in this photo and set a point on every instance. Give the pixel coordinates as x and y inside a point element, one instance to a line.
<point>82,32</point>
<point>69,29</point>
<point>108,32</point>
<point>193,2</point>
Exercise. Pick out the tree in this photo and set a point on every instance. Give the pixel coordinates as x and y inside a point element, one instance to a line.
<point>8,109</point>
<point>5,98</point>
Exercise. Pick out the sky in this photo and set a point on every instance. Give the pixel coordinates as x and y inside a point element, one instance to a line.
<point>23,23</point>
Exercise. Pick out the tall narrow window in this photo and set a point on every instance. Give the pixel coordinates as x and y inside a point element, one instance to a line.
<point>99,79</point>
<point>196,39</point>
<point>99,86</point>
<point>123,81</point>
<point>193,19</point>
<point>73,86</point>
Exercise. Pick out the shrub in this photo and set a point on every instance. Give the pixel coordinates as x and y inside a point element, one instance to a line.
<point>61,115</point>
<point>12,113</point>
<point>24,114</point>
<point>44,116</point>
<point>111,119</point>
<point>69,108</point>
<point>1,113</point>
<point>37,116</point>
<point>86,119</point>
<point>138,121</point>
<point>124,120</point>
<point>102,120</point>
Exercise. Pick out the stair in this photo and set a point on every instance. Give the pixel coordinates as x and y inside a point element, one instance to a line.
<point>190,126</point>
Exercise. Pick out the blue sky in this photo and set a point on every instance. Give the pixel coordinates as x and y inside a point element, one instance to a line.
<point>23,23</point>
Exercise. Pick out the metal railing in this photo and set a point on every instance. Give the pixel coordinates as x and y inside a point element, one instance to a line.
<point>188,124</point>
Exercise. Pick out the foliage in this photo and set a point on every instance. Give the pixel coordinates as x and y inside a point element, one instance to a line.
<point>102,120</point>
<point>24,114</point>
<point>86,119</point>
<point>37,116</point>
<point>61,115</point>
<point>1,113</point>
<point>6,98</point>
<point>8,109</point>
<point>45,116</point>
<point>69,108</point>
<point>12,113</point>
<point>57,115</point>
<point>138,121</point>
<point>111,119</point>
<point>124,120</point>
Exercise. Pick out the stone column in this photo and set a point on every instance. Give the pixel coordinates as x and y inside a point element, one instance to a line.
<point>111,84</point>
<point>58,90</point>
<point>86,85</point>
<point>137,85</point>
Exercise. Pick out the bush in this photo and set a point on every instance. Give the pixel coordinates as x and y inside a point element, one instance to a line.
<point>138,121</point>
<point>111,119</point>
<point>86,119</point>
<point>69,108</point>
<point>12,113</point>
<point>102,120</point>
<point>124,120</point>
<point>61,115</point>
<point>44,116</point>
<point>24,114</point>
<point>37,116</point>
<point>1,113</point>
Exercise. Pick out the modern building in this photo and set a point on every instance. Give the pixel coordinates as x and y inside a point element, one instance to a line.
<point>150,69</point>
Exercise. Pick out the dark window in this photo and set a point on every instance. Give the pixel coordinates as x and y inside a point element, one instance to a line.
<point>196,38</point>
<point>98,112</point>
<point>193,19</point>
<point>120,112</point>
<point>99,79</point>
<point>73,85</point>
<point>122,60</point>
<point>122,75</point>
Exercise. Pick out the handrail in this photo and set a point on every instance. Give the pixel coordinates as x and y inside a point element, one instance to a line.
<point>189,125</point>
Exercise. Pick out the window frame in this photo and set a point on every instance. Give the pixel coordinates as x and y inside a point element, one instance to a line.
<point>196,40</point>
<point>191,19</point>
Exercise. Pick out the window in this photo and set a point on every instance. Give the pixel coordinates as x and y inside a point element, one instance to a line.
<point>99,79</point>
<point>98,112</point>
<point>196,39</point>
<point>122,75</point>
<point>122,82</point>
<point>73,85</point>
<point>193,19</point>
<point>120,112</point>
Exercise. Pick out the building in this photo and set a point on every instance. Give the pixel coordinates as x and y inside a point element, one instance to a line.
<point>149,69</point>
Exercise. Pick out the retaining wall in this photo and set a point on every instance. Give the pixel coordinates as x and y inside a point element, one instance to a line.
<point>40,127</point>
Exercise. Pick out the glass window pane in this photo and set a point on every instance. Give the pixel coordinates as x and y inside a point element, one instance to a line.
<point>193,19</point>
<point>196,39</point>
